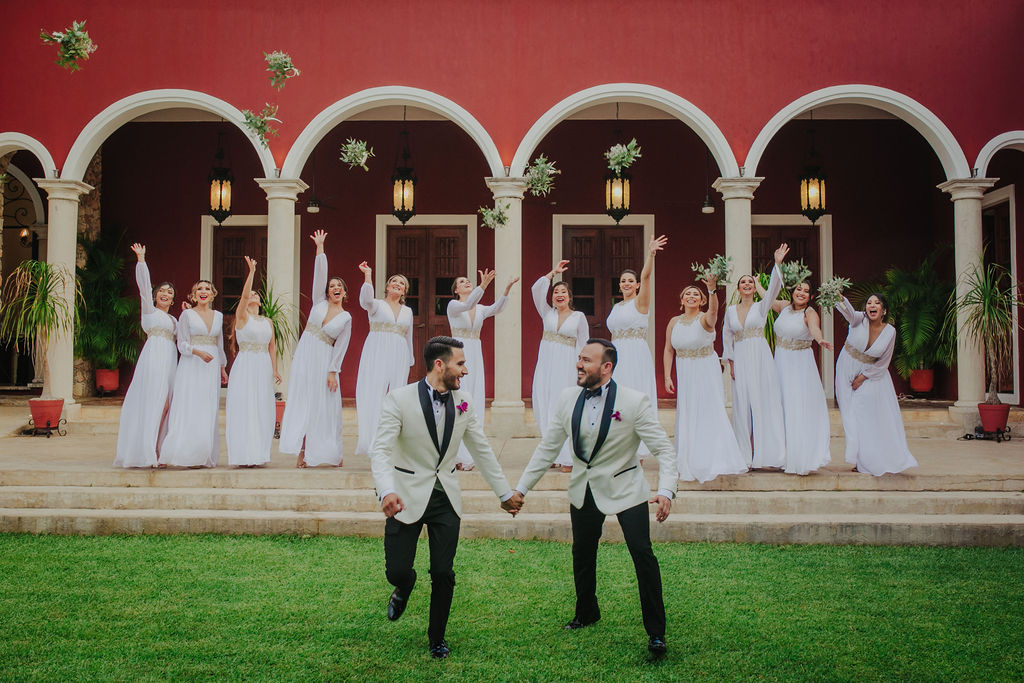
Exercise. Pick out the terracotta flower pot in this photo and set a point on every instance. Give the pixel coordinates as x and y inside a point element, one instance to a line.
<point>994,416</point>
<point>108,380</point>
<point>45,412</point>
<point>922,381</point>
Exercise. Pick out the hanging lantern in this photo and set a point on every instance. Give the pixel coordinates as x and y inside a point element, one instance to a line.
<point>404,182</point>
<point>220,184</point>
<point>616,195</point>
<point>812,184</point>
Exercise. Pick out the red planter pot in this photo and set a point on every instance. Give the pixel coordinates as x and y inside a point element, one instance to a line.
<point>922,381</point>
<point>108,380</point>
<point>45,412</point>
<point>994,417</point>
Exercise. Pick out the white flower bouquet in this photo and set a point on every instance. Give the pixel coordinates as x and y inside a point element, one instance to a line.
<point>493,218</point>
<point>793,273</point>
<point>540,176</point>
<point>720,267</point>
<point>280,66</point>
<point>621,156</point>
<point>258,123</point>
<point>830,293</point>
<point>355,153</point>
<point>73,44</point>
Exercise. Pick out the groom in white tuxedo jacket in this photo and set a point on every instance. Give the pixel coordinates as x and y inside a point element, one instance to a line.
<point>606,424</point>
<point>413,459</point>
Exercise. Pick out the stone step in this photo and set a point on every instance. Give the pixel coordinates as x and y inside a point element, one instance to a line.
<point>830,529</point>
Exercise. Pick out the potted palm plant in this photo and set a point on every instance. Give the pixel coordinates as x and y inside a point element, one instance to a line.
<point>33,310</point>
<point>988,303</point>
<point>278,313</point>
<point>108,332</point>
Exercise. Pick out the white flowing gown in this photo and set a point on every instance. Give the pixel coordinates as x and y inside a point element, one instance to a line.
<point>141,431</point>
<point>875,439</point>
<point>705,443</point>
<point>556,360</point>
<point>384,363</point>
<point>249,408</point>
<point>312,411</point>
<point>466,319</point>
<point>803,398</point>
<point>756,398</point>
<point>635,366</point>
<point>193,438</point>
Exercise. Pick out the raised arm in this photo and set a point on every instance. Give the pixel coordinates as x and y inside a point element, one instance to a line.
<point>540,295</point>
<point>710,318</point>
<point>142,279</point>
<point>774,282</point>
<point>643,297</point>
<point>669,356</point>
<point>777,305</point>
<point>319,268</point>
<point>366,299</point>
<point>456,307</point>
<point>852,315</point>
<point>242,310</point>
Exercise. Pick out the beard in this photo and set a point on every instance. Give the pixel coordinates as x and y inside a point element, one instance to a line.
<point>588,380</point>
<point>450,380</point>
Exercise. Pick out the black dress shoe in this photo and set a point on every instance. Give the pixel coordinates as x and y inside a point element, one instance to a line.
<point>578,623</point>
<point>396,605</point>
<point>657,646</point>
<point>440,650</point>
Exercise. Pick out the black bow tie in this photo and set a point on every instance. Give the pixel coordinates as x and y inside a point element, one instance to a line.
<point>591,393</point>
<point>442,398</point>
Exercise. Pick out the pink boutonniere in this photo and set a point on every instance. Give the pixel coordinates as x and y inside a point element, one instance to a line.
<point>617,416</point>
<point>463,407</point>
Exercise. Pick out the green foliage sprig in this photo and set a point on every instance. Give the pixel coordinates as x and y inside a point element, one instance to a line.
<point>719,266</point>
<point>108,331</point>
<point>259,123</point>
<point>280,66</point>
<point>494,218</point>
<point>73,44</point>
<point>830,292</point>
<point>356,153</point>
<point>540,176</point>
<point>793,273</point>
<point>621,157</point>
<point>280,313</point>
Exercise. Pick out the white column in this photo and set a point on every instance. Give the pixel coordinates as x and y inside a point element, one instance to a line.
<point>283,251</point>
<point>508,410</point>
<point>737,194</point>
<point>966,194</point>
<point>61,247</point>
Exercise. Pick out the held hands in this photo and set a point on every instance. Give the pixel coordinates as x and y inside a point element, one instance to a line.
<point>140,251</point>
<point>392,505</point>
<point>332,381</point>
<point>318,238</point>
<point>780,253</point>
<point>514,504</point>
<point>664,507</point>
<point>657,244</point>
<point>559,269</point>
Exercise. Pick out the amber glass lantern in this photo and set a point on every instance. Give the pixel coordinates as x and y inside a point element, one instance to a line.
<point>616,195</point>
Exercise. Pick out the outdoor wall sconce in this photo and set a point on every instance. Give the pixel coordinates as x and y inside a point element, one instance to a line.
<point>812,185</point>
<point>220,184</point>
<point>616,195</point>
<point>404,182</point>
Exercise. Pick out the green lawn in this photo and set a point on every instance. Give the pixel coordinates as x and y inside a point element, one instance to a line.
<point>285,608</point>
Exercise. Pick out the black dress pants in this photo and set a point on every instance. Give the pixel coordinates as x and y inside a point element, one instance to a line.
<point>400,553</point>
<point>587,522</point>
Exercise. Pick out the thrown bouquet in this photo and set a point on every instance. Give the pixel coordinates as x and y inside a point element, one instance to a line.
<point>540,176</point>
<point>355,153</point>
<point>73,44</point>
<point>719,267</point>
<point>621,157</point>
<point>258,123</point>
<point>793,273</point>
<point>493,218</point>
<point>280,66</point>
<point>830,293</point>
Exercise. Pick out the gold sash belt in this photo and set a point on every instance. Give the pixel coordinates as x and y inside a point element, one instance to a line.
<point>630,333</point>
<point>319,333</point>
<point>253,347</point>
<point>859,355</point>
<point>793,344</point>
<point>559,338</point>
<point>702,352</point>
<point>203,340</point>
<point>465,333</point>
<point>748,333</point>
<point>393,328</point>
<point>161,332</point>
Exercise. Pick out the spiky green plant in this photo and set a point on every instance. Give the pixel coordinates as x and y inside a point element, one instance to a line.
<point>281,315</point>
<point>918,300</point>
<point>35,307</point>
<point>108,331</point>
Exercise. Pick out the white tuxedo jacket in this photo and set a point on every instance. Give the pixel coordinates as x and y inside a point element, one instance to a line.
<point>410,453</point>
<point>612,469</point>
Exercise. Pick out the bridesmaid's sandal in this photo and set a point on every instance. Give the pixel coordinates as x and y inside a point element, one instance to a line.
<point>301,462</point>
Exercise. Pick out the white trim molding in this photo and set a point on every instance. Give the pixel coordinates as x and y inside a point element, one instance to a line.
<point>942,141</point>
<point>385,221</point>
<point>991,198</point>
<point>391,95</point>
<point>1013,139</point>
<point>133,106</point>
<point>637,93</point>
<point>14,142</point>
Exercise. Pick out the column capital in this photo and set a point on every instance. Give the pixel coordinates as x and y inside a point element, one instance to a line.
<point>737,188</point>
<point>70,190</point>
<point>282,188</point>
<point>507,188</point>
<point>967,188</point>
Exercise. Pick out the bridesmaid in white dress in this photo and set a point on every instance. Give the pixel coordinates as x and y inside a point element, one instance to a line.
<point>250,404</point>
<point>142,428</point>
<point>803,398</point>
<point>193,439</point>
<point>466,318</point>
<point>313,410</point>
<point>876,442</point>
<point>387,352</point>
<point>756,399</point>
<point>704,438</point>
<point>627,324</point>
<point>565,334</point>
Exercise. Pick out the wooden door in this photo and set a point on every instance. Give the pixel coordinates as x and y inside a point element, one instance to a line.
<point>431,258</point>
<point>802,241</point>
<point>230,246</point>
<point>597,256</point>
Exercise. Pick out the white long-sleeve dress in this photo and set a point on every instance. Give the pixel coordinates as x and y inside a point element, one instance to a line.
<point>312,411</point>
<point>466,319</point>
<point>875,439</point>
<point>193,438</point>
<point>803,398</point>
<point>756,399</point>
<point>635,366</point>
<point>249,408</point>
<point>556,360</point>
<point>384,363</point>
<point>142,428</point>
<point>705,444</point>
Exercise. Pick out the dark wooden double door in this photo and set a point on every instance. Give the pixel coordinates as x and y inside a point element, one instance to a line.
<point>230,247</point>
<point>597,256</point>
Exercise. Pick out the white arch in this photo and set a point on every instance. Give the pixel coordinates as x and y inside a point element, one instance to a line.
<point>32,191</point>
<point>372,98</point>
<point>133,106</point>
<point>13,142</point>
<point>1013,139</point>
<point>636,93</point>
<point>942,142</point>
